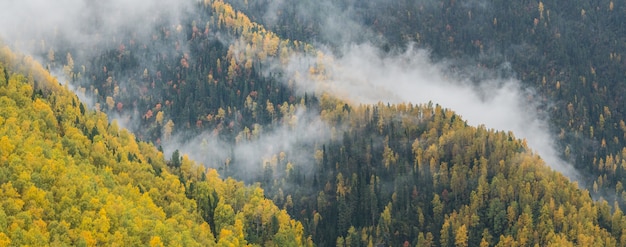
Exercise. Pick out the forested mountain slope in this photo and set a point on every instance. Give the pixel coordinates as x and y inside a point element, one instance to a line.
<point>68,176</point>
<point>419,175</point>
<point>570,53</point>
<point>353,174</point>
<point>201,73</point>
<point>570,56</point>
<point>397,175</point>
<point>414,174</point>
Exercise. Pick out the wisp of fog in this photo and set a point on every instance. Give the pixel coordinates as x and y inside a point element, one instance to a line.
<point>365,74</point>
<point>82,23</point>
<point>295,137</point>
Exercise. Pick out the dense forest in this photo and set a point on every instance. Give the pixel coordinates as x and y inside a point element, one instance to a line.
<point>569,53</point>
<point>370,175</point>
<point>70,177</point>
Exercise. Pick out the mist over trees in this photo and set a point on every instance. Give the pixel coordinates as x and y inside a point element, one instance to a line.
<point>344,123</point>
<point>70,177</point>
<point>570,56</point>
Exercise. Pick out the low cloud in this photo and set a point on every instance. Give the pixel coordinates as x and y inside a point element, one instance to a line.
<point>297,137</point>
<point>83,23</point>
<point>365,74</point>
<point>50,30</point>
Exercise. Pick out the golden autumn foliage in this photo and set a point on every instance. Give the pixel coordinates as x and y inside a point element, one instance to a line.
<point>392,175</point>
<point>69,177</point>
